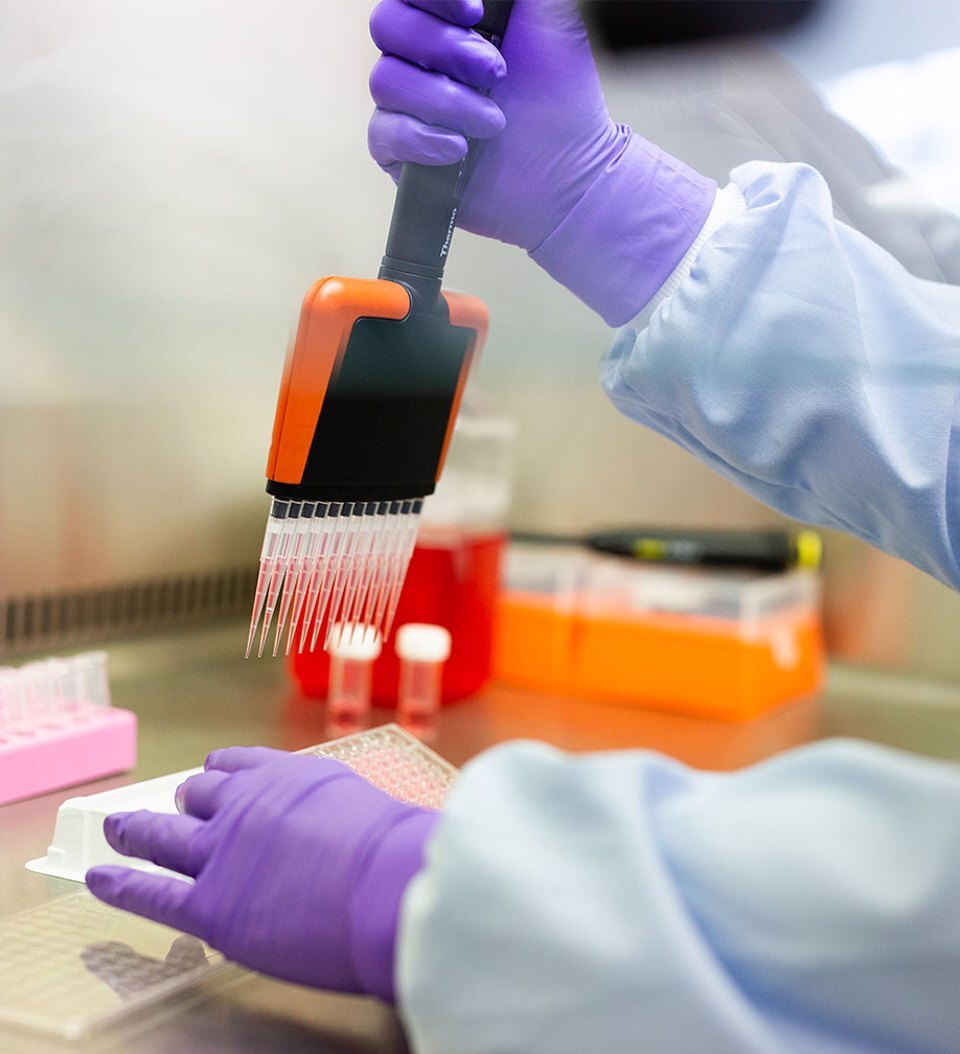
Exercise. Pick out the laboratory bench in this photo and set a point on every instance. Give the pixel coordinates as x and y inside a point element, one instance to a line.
<point>193,691</point>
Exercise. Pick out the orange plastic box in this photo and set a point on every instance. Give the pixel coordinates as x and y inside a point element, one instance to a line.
<point>729,646</point>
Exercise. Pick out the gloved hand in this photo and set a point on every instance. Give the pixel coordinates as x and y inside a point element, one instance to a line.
<point>300,867</point>
<point>601,209</point>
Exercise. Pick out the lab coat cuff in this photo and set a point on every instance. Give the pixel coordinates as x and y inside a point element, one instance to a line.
<point>727,205</point>
<point>626,236</point>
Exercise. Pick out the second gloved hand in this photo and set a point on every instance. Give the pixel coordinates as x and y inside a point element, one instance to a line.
<point>300,867</point>
<point>604,211</point>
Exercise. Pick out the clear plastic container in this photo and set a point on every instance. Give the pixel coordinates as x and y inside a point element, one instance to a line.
<point>353,648</point>
<point>422,650</point>
<point>720,644</point>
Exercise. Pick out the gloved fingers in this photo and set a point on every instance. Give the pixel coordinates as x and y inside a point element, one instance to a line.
<point>460,12</point>
<point>433,98</point>
<point>201,795</point>
<point>396,137</point>
<point>233,759</point>
<point>175,842</point>
<point>424,40</point>
<point>164,900</point>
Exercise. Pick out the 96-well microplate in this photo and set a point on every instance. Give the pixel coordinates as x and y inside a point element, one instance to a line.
<point>74,965</point>
<point>396,762</point>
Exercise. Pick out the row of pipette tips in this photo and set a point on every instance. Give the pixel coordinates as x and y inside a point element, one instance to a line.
<point>333,562</point>
<point>50,691</point>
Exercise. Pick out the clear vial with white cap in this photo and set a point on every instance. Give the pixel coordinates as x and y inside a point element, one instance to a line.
<point>422,649</point>
<point>353,649</point>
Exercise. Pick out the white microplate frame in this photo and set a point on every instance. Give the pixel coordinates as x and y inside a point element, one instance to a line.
<point>78,841</point>
<point>75,966</point>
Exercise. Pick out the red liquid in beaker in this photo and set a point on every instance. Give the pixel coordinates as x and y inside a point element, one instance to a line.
<point>452,581</point>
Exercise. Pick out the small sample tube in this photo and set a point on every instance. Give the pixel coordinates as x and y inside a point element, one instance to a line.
<point>422,649</point>
<point>85,682</point>
<point>11,701</point>
<point>353,648</point>
<point>39,693</point>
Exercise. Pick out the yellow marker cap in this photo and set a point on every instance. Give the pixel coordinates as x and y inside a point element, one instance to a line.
<point>649,548</point>
<point>809,548</point>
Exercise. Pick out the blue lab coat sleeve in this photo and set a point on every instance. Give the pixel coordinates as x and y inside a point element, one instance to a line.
<point>802,362</point>
<point>622,902</point>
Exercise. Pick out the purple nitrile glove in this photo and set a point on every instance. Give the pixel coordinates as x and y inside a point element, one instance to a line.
<point>605,212</point>
<point>300,867</point>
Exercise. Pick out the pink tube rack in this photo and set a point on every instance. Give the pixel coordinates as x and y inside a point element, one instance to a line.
<point>90,742</point>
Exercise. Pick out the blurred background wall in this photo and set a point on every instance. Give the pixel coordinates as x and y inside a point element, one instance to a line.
<point>172,178</point>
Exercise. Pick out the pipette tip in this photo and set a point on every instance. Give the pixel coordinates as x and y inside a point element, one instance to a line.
<point>329,562</point>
